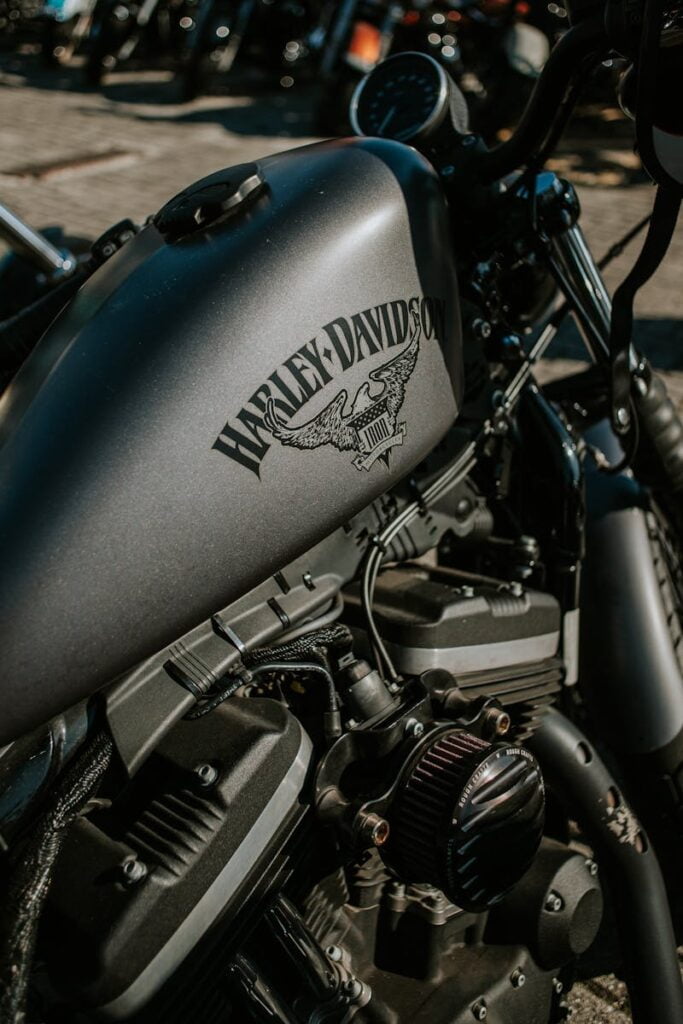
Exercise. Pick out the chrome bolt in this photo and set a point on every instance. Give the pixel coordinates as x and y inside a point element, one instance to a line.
<point>466,591</point>
<point>496,722</point>
<point>554,902</point>
<point>623,416</point>
<point>334,954</point>
<point>393,687</point>
<point>516,589</point>
<point>479,1010</point>
<point>558,987</point>
<point>518,978</point>
<point>481,328</point>
<point>133,871</point>
<point>206,774</point>
<point>353,988</point>
<point>592,867</point>
<point>373,829</point>
<point>413,728</point>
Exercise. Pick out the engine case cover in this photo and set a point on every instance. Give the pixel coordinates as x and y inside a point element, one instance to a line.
<point>440,618</point>
<point>113,941</point>
<point>211,406</point>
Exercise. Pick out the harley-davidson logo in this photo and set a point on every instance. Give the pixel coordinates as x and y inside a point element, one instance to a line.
<point>370,428</point>
<point>368,424</point>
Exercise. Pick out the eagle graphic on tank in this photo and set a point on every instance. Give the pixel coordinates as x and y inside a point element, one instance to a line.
<point>370,428</point>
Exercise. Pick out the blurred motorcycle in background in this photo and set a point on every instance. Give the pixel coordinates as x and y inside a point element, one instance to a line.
<point>66,29</point>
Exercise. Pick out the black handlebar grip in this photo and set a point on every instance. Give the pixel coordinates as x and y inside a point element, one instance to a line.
<point>661,427</point>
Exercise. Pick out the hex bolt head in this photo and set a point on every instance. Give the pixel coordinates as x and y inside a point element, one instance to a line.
<point>481,328</point>
<point>518,978</point>
<point>334,954</point>
<point>373,829</point>
<point>133,871</point>
<point>205,774</point>
<point>496,722</point>
<point>466,591</point>
<point>480,1010</point>
<point>413,729</point>
<point>554,902</point>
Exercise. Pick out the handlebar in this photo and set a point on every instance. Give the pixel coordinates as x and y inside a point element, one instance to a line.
<point>585,43</point>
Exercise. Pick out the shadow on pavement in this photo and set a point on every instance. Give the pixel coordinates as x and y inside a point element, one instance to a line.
<point>254,106</point>
<point>289,115</point>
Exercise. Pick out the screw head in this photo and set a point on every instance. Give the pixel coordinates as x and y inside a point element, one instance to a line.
<point>353,988</point>
<point>592,867</point>
<point>480,1010</point>
<point>466,591</point>
<point>205,774</point>
<point>133,871</point>
<point>518,978</point>
<point>334,954</point>
<point>413,728</point>
<point>481,328</point>
<point>554,902</point>
<point>463,508</point>
<point>623,416</point>
<point>558,987</point>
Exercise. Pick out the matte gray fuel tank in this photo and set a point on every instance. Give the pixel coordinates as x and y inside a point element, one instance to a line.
<point>210,407</point>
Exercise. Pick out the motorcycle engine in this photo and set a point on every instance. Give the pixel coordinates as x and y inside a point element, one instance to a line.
<point>394,867</point>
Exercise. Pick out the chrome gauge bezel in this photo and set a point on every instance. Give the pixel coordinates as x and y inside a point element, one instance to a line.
<point>440,106</point>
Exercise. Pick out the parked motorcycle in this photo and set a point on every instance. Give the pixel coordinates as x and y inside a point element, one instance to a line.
<point>493,49</point>
<point>66,27</point>
<point>341,669</point>
<point>153,30</point>
<point>269,36</point>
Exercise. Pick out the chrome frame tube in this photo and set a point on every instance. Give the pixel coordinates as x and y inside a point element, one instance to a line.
<point>581,282</point>
<point>42,254</point>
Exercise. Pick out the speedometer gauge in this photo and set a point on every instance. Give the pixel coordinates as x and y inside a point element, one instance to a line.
<point>405,98</point>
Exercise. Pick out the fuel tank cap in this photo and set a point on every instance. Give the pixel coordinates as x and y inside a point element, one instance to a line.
<point>219,195</point>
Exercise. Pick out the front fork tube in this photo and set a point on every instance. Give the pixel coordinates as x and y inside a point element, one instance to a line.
<point>581,281</point>
<point>660,455</point>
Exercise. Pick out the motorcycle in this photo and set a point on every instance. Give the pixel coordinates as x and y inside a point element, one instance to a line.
<point>341,672</point>
<point>269,36</point>
<point>493,49</point>
<point>119,30</point>
<point>66,27</point>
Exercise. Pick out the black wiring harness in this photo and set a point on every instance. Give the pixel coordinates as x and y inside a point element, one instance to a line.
<point>309,653</point>
<point>31,874</point>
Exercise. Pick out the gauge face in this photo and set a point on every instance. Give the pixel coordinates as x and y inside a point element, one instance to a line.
<point>404,98</point>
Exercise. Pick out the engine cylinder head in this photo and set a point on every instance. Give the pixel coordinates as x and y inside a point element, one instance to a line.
<point>468,817</point>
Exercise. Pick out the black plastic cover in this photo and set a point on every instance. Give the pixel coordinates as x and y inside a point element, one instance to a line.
<point>440,618</point>
<point>116,940</point>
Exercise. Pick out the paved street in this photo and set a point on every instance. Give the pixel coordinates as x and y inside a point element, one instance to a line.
<point>85,160</point>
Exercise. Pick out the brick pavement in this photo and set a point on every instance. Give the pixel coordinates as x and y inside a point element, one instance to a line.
<point>153,146</point>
